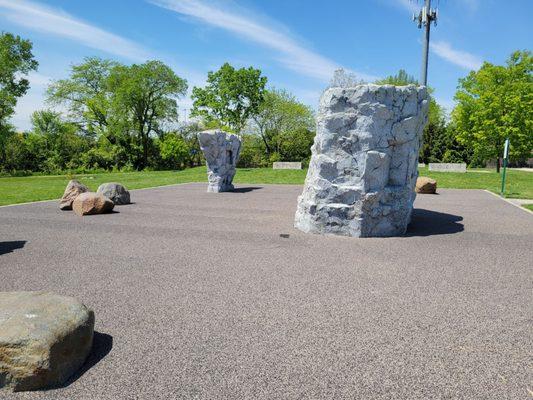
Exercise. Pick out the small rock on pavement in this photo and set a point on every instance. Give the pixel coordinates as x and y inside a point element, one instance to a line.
<point>44,339</point>
<point>117,193</point>
<point>425,185</point>
<point>90,203</point>
<point>73,190</point>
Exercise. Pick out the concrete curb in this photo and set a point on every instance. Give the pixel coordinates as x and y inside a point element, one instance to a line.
<point>509,202</point>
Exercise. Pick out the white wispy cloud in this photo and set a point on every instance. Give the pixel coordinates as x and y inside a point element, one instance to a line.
<point>444,49</point>
<point>473,5</point>
<point>410,5</point>
<point>460,58</point>
<point>290,52</point>
<point>54,21</point>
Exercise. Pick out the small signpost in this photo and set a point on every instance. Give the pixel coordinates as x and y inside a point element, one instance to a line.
<point>505,159</point>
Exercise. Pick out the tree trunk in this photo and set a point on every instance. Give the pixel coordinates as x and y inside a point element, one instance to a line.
<point>498,165</point>
<point>145,150</point>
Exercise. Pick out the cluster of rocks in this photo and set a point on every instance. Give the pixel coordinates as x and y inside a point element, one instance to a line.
<point>221,151</point>
<point>78,198</point>
<point>363,168</point>
<point>44,339</point>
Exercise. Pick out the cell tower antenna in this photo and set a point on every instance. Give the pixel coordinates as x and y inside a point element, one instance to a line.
<point>424,20</point>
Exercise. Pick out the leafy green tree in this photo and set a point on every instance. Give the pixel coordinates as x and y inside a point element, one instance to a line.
<point>495,103</point>
<point>402,78</point>
<point>296,145</point>
<point>61,143</point>
<point>16,61</point>
<point>279,116</point>
<point>86,94</point>
<point>173,150</point>
<point>145,95</point>
<point>232,96</point>
<point>253,153</point>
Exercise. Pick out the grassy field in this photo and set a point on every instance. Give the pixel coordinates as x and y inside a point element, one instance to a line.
<point>15,190</point>
<point>528,206</point>
<point>34,188</point>
<point>519,184</point>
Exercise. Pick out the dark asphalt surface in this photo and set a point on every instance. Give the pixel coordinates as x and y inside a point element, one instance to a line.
<point>197,296</point>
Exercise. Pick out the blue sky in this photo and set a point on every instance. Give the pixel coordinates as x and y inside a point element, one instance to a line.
<point>296,43</point>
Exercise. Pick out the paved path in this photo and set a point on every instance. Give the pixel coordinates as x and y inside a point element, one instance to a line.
<point>198,296</point>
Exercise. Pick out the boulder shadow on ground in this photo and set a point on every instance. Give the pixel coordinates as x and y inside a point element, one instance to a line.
<point>9,247</point>
<point>102,345</point>
<point>427,223</point>
<point>245,189</point>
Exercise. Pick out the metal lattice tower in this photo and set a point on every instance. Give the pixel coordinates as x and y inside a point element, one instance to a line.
<point>424,20</point>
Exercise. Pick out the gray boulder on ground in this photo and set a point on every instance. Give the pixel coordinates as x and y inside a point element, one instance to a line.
<point>90,203</point>
<point>363,168</point>
<point>221,151</point>
<point>44,339</point>
<point>425,185</point>
<point>73,189</point>
<point>117,193</point>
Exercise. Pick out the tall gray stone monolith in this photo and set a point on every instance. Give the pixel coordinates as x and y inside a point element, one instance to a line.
<point>363,167</point>
<point>221,151</point>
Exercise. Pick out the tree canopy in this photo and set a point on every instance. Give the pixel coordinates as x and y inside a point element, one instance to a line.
<point>85,94</point>
<point>144,97</point>
<point>125,104</point>
<point>16,61</point>
<point>231,96</point>
<point>279,115</point>
<point>495,103</point>
<point>402,78</point>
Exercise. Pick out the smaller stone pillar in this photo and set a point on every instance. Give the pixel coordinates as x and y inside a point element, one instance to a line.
<point>364,161</point>
<point>221,151</point>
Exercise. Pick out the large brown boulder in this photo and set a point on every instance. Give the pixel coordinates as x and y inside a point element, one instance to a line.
<point>73,190</point>
<point>425,185</point>
<point>92,203</point>
<point>44,339</point>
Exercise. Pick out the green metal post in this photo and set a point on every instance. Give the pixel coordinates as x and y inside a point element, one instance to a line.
<point>503,176</point>
<point>505,158</point>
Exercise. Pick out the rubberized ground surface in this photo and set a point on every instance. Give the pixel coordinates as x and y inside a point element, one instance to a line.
<point>201,295</point>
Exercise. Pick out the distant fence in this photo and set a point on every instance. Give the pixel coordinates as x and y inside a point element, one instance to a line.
<point>286,165</point>
<point>447,167</point>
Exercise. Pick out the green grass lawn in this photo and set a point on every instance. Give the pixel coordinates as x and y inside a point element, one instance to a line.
<point>15,190</point>
<point>519,184</point>
<point>528,206</point>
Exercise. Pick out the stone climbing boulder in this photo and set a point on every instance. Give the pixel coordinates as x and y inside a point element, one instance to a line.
<point>221,151</point>
<point>44,339</point>
<point>425,185</point>
<point>117,193</point>
<point>92,203</point>
<point>364,161</point>
<point>73,189</point>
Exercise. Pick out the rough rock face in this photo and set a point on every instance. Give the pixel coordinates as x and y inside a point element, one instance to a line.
<point>426,185</point>
<point>92,203</point>
<point>44,339</point>
<point>73,189</point>
<point>117,193</point>
<point>221,151</point>
<point>364,161</point>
